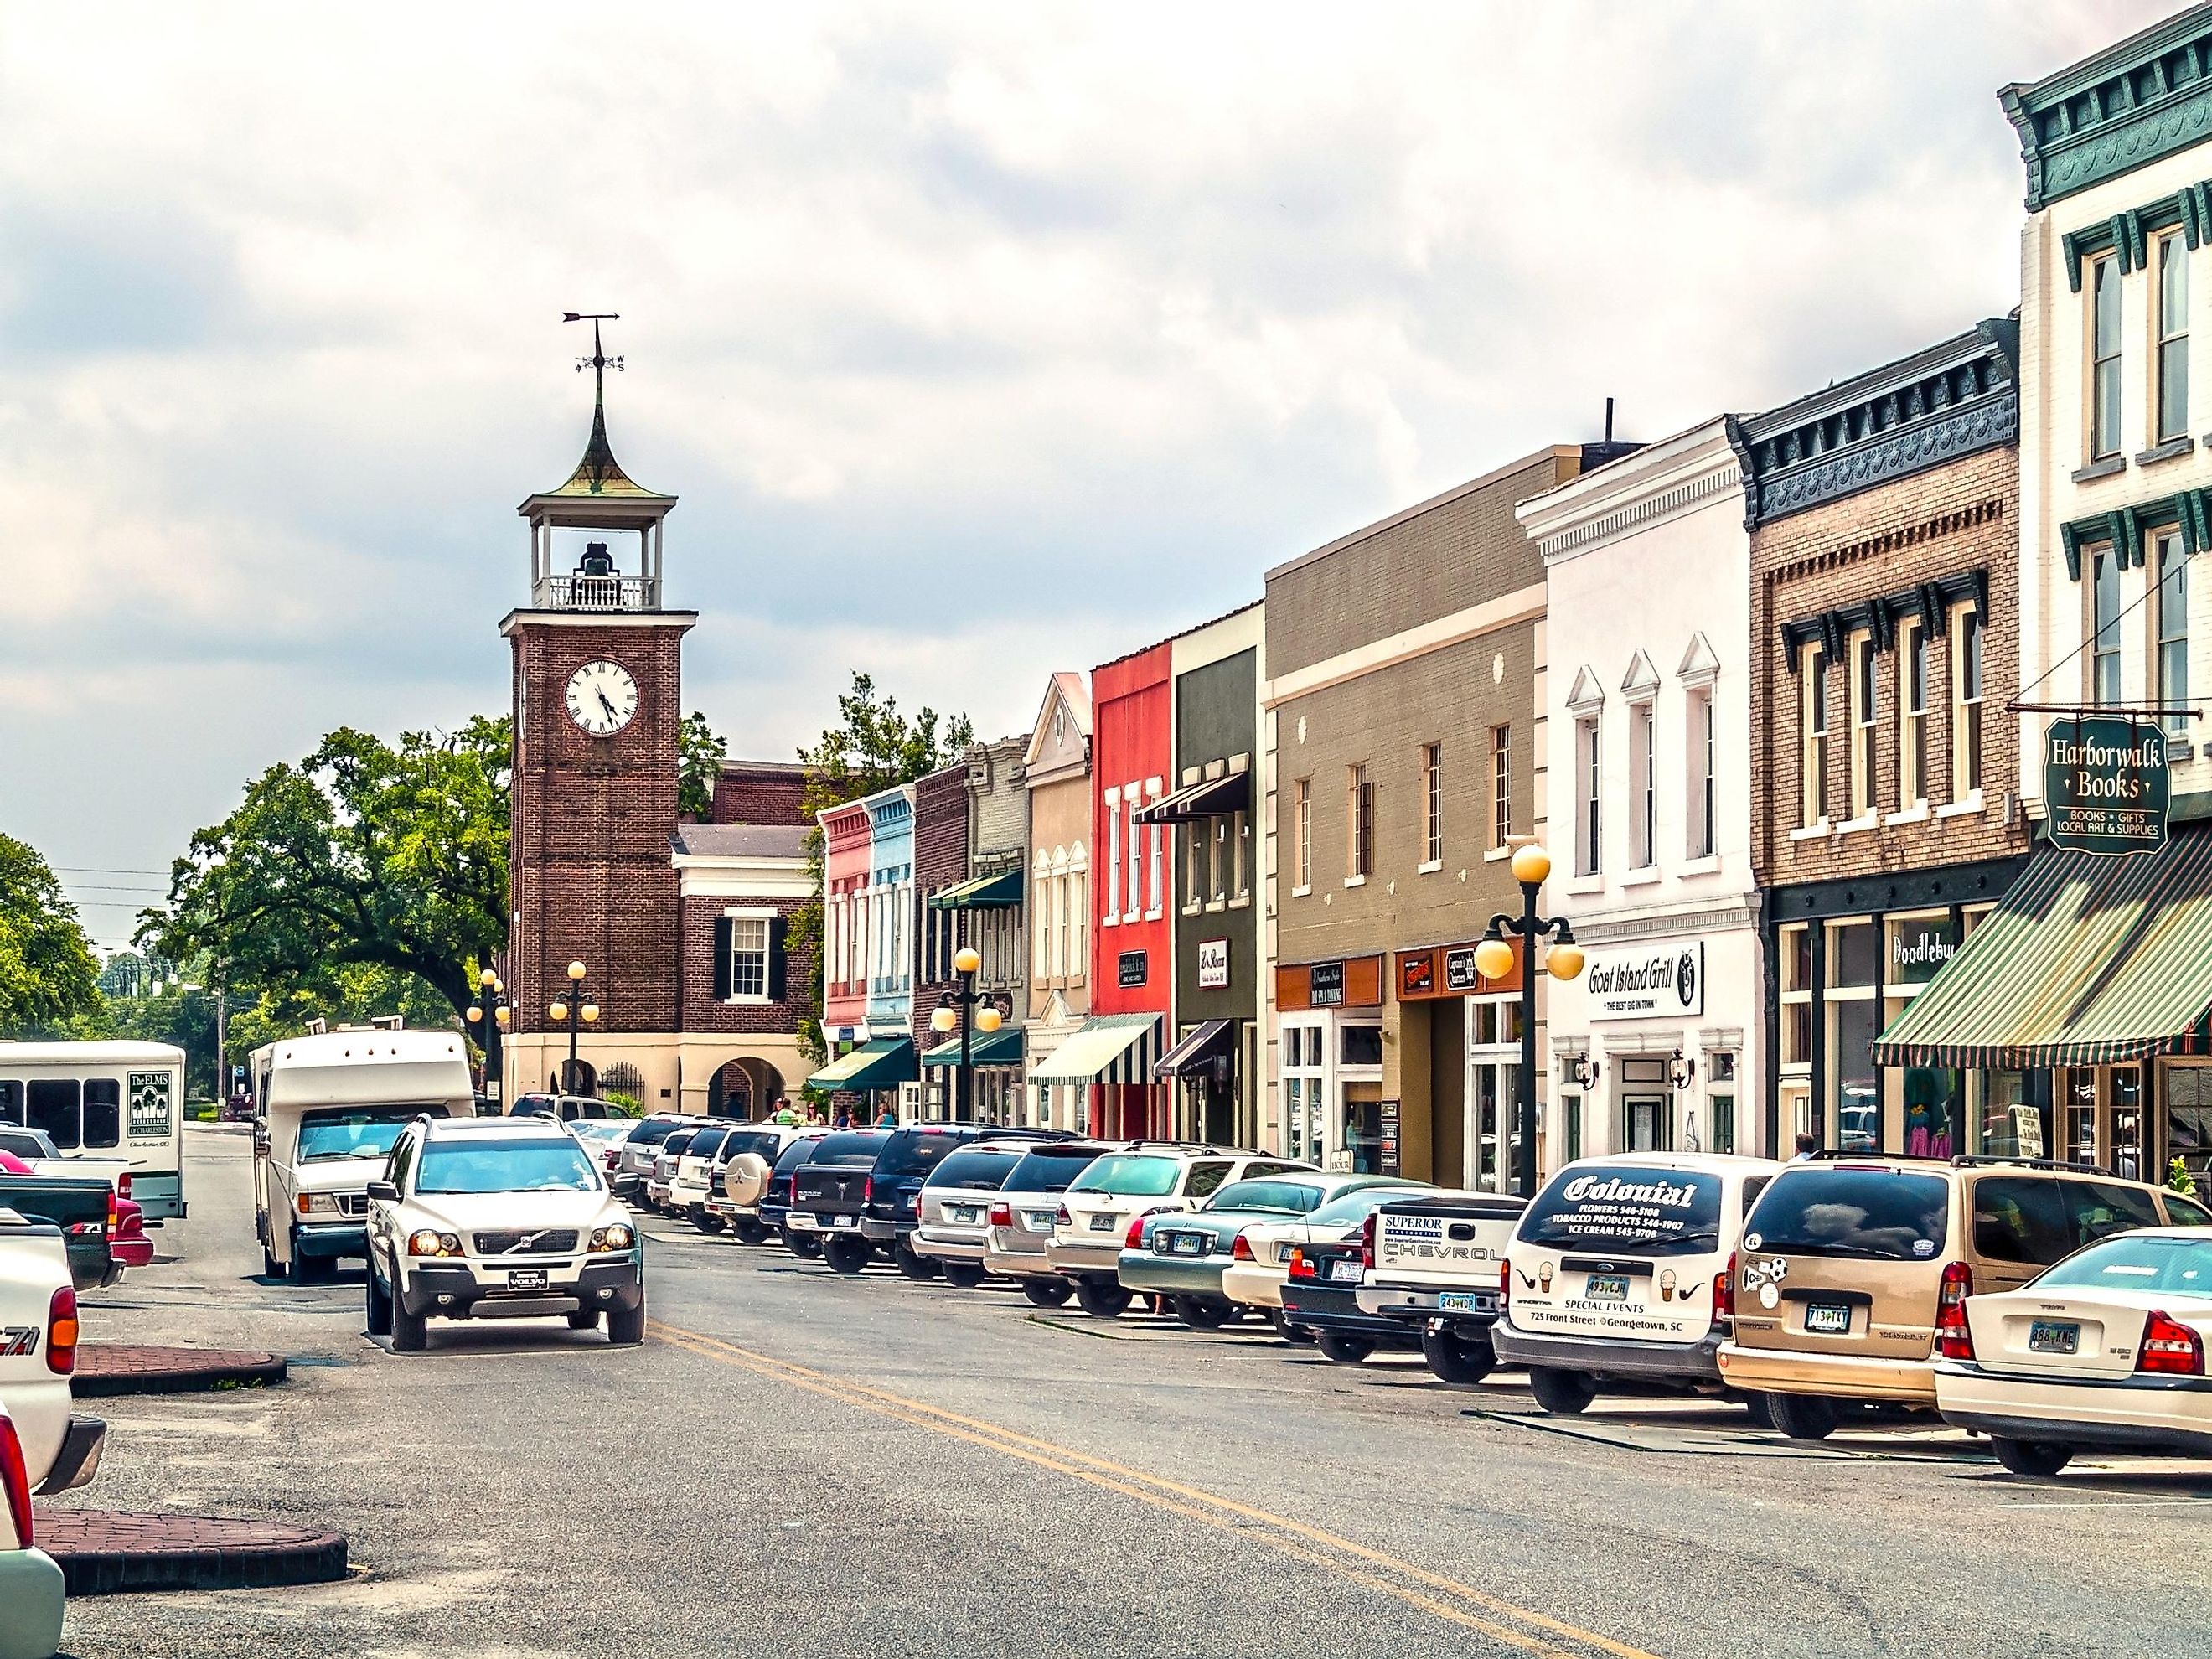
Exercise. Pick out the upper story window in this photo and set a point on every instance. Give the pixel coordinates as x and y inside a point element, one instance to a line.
<point>1865,700</point>
<point>1501,786</point>
<point>1113,855</point>
<point>1079,960</point>
<point>748,940</point>
<point>1697,734</point>
<point>1302,833</point>
<point>2169,626</point>
<point>2105,359</point>
<point>2104,627</point>
<point>1965,702</point>
<point>1588,853</point>
<point>1157,852</point>
<point>1240,855</point>
<point>1359,824</point>
<point>1813,737</point>
<point>1432,799</point>
<point>1643,786</point>
<point>2172,361</point>
<point>1911,714</point>
<point>1195,853</point>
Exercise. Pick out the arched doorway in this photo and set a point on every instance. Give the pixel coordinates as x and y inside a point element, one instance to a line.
<point>746,1088</point>
<point>584,1079</point>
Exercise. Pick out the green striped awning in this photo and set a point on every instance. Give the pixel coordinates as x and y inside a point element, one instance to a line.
<point>1000,1047</point>
<point>2086,961</point>
<point>885,1063</point>
<point>1001,891</point>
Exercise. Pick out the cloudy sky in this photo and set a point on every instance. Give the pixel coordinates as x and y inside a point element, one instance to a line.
<point>979,340</point>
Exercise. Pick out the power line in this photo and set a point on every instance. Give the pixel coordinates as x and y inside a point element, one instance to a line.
<point>99,870</point>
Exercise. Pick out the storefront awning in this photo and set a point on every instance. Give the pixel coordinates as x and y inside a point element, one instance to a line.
<point>883,1064</point>
<point>1215,1036</point>
<point>1209,798</point>
<point>1105,1049</point>
<point>999,892</point>
<point>2086,961</point>
<point>1000,1047</point>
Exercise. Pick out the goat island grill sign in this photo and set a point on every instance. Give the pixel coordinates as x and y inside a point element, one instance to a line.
<point>2106,783</point>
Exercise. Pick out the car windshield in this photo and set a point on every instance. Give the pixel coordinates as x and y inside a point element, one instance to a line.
<point>800,1151</point>
<point>1131,1176</point>
<point>367,1132</point>
<point>1358,1203</point>
<point>917,1152</point>
<point>2131,1262</point>
<point>763,1143</point>
<point>851,1148</point>
<point>651,1132</point>
<point>1050,1169</point>
<point>1884,1215</point>
<point>1276,1197</point>
<point>1625,1207</point>
<point>704,1143</point>
<point>504,1166</point>
<point>982,1172</point>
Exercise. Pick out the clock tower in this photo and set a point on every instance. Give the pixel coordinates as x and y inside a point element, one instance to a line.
<point>597,709</point>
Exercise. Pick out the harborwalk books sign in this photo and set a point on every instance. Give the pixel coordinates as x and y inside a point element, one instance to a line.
<point>2105,784</point>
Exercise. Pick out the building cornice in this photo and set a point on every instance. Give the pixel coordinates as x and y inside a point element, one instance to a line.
<point>515,620</point>
<point>1661,481</point>
<point>2142,98</point>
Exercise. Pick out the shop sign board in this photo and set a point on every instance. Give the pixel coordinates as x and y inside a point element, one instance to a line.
<point>2105,784</point>
<point>1326,979</point>
<point>1917,948</point>
<point>152,1110</point>
<point>1135,966</point>
<point>1389,1148</point>
<point>1212,965</point>
<point>1646,981</point>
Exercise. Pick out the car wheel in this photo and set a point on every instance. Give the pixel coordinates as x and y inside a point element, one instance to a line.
<point>748,1232</point>
<point>705,1221</point>
<point>913,1264</point>
<point>1802,1416</point>
<point>1046,1293</point>
<point>304,1270</point>
<point>963,1275</point>
<point>1102,1299</point>
<point>1454,1358</point>
<point>1345,1349</point>
<point>411,1333</point>
<point>847,1255</point>
<point>2041,1458</point>
<point>805,1246</point>
<point>626,1326</point>
<point>1297,1335</point>
<point>1759,1408</point>
<point>1566,1394</point>
<point>380,1303</point>
<point>270,1266</point>
<point>584,1319</point>
<point>1200,1313</point>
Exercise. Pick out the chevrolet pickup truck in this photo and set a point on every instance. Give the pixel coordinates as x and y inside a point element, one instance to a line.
<point>1434,1265</point>
<point>38,1354</point>
<point>82,1208</point>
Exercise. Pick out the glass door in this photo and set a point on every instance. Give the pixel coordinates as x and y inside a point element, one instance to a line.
<point>2079,1143</point>
<point>1490,1145</point>
<point>2126,1130</point>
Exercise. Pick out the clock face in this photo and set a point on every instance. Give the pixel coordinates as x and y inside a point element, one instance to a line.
<point>602,697</point>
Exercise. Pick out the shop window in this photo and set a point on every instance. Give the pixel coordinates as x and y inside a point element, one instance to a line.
<point>2104,287</point>
<point>1912,716</point>
<point>2080,1123</point>
<point>1359,824</point>
<point>1501,785</point>
<point>2172,364</point>
<point>1643,787</point>
<point>2011,1127</point>
<point>1432,803</point>
<point>2104,627</point>
<point>1865,700</point>
<point>1587,851</point>
<point>1931,1112</point>
<point>2188,1115</point>
<point>1359,1044</point>
<point>1854,953</point>
<point>2125,1153</point>
<point>2170,627</point>
<point>1797,1032</point>
<point>1493,1022</point>
<point>1302,832</point>
<point>1812,738</point>
<point>1965,702</point>
<point>1704,819</point>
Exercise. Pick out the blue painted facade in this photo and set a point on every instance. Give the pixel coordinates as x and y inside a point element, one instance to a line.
<point>891,924</point>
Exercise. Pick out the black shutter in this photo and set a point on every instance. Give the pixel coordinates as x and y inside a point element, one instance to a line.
<point>723,929</point>
<point>779,940</point>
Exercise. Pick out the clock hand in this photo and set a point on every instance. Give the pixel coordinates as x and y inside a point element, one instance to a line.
<point>606,705</point>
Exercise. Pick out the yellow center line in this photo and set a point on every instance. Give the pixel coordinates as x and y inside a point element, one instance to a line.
<point>1275,1532</point>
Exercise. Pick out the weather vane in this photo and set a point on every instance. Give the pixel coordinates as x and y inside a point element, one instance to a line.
<point>599,362</point>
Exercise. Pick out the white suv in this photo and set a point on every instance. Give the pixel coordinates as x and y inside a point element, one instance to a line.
<point>1149,1178</point>
<point>498,1218</point>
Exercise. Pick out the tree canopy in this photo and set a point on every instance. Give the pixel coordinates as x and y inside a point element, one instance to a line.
<point>699,756</point>
<point>47,971</point>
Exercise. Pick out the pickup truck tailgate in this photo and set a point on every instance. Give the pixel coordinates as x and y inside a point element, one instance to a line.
<point>79,1207</point>
<point>1454,1245</point>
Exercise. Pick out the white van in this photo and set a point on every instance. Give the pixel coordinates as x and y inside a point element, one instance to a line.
<point>327,1108</point>
<point>1614,1273</point>
<point>110,1103</point>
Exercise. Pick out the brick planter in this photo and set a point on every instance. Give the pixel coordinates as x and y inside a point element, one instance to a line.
<point>111,1551</point>
<point>113,1368</point>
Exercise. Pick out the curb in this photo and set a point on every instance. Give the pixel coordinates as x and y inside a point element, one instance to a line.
<point>106,1369</point>
<point>111,1551</point>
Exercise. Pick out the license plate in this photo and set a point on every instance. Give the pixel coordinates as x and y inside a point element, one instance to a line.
<point>1101,1223</point>
<point>525,1279</point>
<point>1342,1272</point>
<point>967,1218</point>
<point>836,1224</point>
<point>1463,1302</point>
<point>1185,1244</point>
<point>1828,1318</point>
<point>1607,1287</point>
<point>1041,1221</point>
<point>2049,1336</point>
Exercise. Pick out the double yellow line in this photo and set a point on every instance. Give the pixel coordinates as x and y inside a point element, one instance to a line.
<point>1432,1593</point>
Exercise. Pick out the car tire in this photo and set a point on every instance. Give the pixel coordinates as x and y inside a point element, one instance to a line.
<point>1048,1293</point>
<point>1297,1336</point>
<point>913,1264</point>
<point>1343,1348</point>
<point>1453,1358</point>
<point>1802,1416</point>
<point>963,1275</point>
<point>379,1313</point>
<point>1102,1299</point>
<point>411,1333</point>
<point>748,1232</point>
<point>805,1246</point>
<point>705,1222</point>
<point>847,1255</point>
<point>1759,1408</point>
<point>626,1326</point>
<point>2041,1459</point>
<point>270,1266</point>
<point>584,1319</point>
<point>1200,1313</point>
<point>1564,1393</point>
<point>304,1270</point>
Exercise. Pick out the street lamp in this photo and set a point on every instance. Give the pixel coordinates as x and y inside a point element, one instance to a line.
<point>488,1011</point>
<point>969,1010</point>
<point>1493,959</point>
<point>574,1013</point>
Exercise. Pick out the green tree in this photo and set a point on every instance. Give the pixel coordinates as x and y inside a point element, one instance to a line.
<point>699,755</point>
<point>365,854</point>
<point>48,975</point>
<point>872,747</point>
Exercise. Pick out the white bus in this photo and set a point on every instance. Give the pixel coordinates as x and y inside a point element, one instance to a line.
<point>105,1101</point>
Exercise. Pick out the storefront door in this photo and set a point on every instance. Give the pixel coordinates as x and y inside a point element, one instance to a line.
<point>2124,1129</point>
<point>1647,1116</point>
<point>1492,1141</point>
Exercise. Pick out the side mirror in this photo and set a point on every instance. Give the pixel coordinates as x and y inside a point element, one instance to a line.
<point>384,1192</point>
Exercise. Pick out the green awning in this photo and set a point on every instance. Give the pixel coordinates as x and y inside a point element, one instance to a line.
<point>1000,1047</point>
<point>882,1063</point>
<point>2086,961</point>
<point>999,892</point>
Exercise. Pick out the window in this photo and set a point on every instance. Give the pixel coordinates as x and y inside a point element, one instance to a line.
<point>1643,786</point>
<point>1217,829</point>
<point>1079,963</point>
<point>1112,856</point>
<point>1864,694</point>
<point>1697,734</point>
<point>1587,851</point>
<point>1501,785</point>
<point>2169,626</point>
<point>1155,854</point>
<point>1302,832</point>
<point>56,1111</point>
<point>1912,716</point>
<point>749,958</point>
<point>1812,738</point>
<point>1359,824</point>
<point>1240,849</point>
<point>1966,703</point>
<point>1133,897</point>
<point>1040,908</point>
<point>1432,795</point>
<point>1194,854</point>
<point>2104,627</point>
<point>2172,334</point>
<point>2105,359</point>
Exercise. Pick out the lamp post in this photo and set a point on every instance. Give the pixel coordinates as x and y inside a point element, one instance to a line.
<point>971,1010</point>
<point>488,1017</point>
<point>1493,959</point>
<point>574,1013</point>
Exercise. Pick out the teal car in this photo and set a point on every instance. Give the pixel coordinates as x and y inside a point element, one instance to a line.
<point>1181,1255</point>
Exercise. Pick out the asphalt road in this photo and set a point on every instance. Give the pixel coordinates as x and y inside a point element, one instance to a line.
<point>798,1464</point>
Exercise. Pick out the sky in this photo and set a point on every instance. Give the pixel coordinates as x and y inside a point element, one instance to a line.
<point>978,340</point>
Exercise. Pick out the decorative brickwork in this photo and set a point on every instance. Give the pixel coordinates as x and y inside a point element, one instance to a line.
<point>760,792</point>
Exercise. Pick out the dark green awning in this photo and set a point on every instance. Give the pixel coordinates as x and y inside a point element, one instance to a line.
<point>998,892</point>
<point>883,1063</point>
<point>2087,960</point>
<point>1000,1047</point>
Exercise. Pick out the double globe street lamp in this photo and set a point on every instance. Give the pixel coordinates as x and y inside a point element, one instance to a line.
<point>575,1012</point>
<point>1563,960</point>
<point>488,1012</point>
<point>970,1010</point>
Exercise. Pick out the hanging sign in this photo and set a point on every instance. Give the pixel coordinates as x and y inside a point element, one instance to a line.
<point>2106,783</point>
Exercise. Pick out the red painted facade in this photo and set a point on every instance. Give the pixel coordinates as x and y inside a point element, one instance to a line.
<point>846,848</point>
<point>1131,763</point>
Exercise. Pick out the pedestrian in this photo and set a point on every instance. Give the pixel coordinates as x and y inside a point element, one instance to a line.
<point>844,1119</point>
<point>887,1119</point>
<point>1807,1145</point>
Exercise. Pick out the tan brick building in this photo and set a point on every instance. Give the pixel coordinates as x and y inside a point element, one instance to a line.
<point>1885,629</point>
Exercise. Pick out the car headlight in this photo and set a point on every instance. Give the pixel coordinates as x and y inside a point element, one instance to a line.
<point>617,1238</point>
<point>318,1203</point>
<point>429,1243</point>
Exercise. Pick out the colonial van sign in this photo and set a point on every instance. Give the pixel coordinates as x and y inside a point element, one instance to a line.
<point>1646,981</point>
<point>2106,783</point>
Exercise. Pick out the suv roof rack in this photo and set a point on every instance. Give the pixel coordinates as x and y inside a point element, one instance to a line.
<point>1980,1160</point>
<point>1184,1146</point>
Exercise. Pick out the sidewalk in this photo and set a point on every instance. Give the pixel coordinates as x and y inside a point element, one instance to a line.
<point>106,1369</point>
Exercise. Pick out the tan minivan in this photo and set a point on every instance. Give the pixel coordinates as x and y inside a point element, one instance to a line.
<point>1850,1265</point>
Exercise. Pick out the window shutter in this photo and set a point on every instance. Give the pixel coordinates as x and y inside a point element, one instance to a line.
<point>725,928</point>
<point>778,938</point>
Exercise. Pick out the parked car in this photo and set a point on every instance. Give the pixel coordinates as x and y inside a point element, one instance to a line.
<point>1321,1301</point>
<point>1183,1255</point>
<point>690,1180</point>
<point>38,1356</point>
<point>570,1109</point>
<point>31,1587</point>
<point>1152,1177</point>
<point>1848,1268</point>
<point>37,1150</point>
<point>776,1196</point>
<point>643,1145</point>
<point>2104,1352</point>
<point>739,1180</point>
<point>829,1192</point>
<point>82,1210</point>
<point>129,1243</point>
<point>498,1218</point>
<point>603,1137</point>
<point>1619,1271</point>
<point>1435,1263</point>
<point>1025,1211</point>
<point>1257,1272</point>
<point>954,1214</point>
<point>662,1180</point>
<point>893,1206</point>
